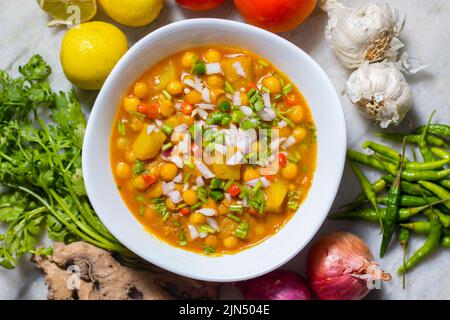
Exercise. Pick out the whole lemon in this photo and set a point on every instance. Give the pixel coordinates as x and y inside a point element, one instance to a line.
<point>133,13</point>
<point>90,51</point>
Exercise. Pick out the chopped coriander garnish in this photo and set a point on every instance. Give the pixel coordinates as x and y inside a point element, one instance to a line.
<point>167,95</point>
<point>265,89</point>
<point>141,198</point>
<point>167,146</point>
<point>242,230</point>
<point>287,89</point>
<point>187,177</point>
<point>209,250</point>
<point>216,183</point>
<point>177,224</point>
<point>206,229</point>
<point>199,68</point>
<point>236,207</point>
<point>138,167</point>
<point>161,208</point>
<point>225,106</point>
<point>229,87</point>
<point>202,194</point>
<point>293,200</point>
<point>138,115</point>
<point>217,195</point>
<point>167,129</point>
<point>294,158</point>
<point>196,206</point>
<point>141,210</point>
<point>189,163</point>
<point>233,217</point>
<point>227,184</point>
<point>277,96</point>
<point>183,240</point>
<point>121,128</point>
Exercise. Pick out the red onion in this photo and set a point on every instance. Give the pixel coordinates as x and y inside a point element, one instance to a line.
<point>167,153</point>
<point>340,267</point>
<point>277,285</point>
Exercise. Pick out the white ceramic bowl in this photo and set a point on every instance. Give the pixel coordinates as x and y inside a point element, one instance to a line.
<point>331,135</point>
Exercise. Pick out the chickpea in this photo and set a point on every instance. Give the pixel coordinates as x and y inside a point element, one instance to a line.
<point>166,108</point>
<point>155,190</point>
<point>212,55</point>
<point>141,89</point>
<point>193,97</point>
<point>136,124</point>
<point>215,81</point>
<point>273,84</point>
<point>168,171</point>
<point>187,119</point>
<point>230,242</point>
<point>188,59</point>
<point>299,134</point>
<point>131,103</point>
<point>250,174</point>
<point>290,172</point>
<point>122,143</point>
<point>170,205</point>
<point>296,114</point>
<point>211,240</point>
<point>138,183</point>
<point>130,156</point>
<point>190,197</point>
<point>173,121</point>
<point>174,87</point>
<point>123,170</point>
<point>197,219</point>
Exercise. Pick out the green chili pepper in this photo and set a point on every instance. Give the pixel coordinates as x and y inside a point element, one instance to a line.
<point>383,150</point>
<point>370,161</point>
<point>392,206</point>
<point>368,190</point>
<point>412,138</point>
<point>445,242</point>
<point>225,106</point>
<point>410,201</point>
<point>412,175</point>
<point>440,153</point>
<point>439,129</point>
<point>377,186</point>
<point>424,150</point>
<point>199,68</point>
<point>440,192</point>
<point>445,183</point>
<point>431,165</point>
<point>216,183</point>
<point>428,247</point>
<point>409,188</point>
<point>403,236</point>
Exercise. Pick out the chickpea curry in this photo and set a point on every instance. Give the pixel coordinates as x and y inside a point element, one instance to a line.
<point>174,183</point>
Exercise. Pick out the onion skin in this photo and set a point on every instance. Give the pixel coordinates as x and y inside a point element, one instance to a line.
<point>276,285</point>
<point>339,267</point>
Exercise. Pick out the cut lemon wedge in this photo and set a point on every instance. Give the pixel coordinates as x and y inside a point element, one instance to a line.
<point>69,12</point>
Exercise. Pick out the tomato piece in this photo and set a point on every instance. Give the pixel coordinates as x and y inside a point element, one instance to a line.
<point>252,85</point>
<point>234,190</point>
<point>270,178</point>
<point>187,108</point>
<point>148,180</point>
<point>199,5</point>
<point>151,110</point>
<point>282,160</point>
<point>292,99</point>
<point>275,15</point>
<point>184,211</point>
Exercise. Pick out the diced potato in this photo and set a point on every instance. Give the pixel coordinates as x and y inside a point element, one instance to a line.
<point>229,68</point>
<point>169,74</point>
<point>223,171</point>
<point>147,146</point>
<point>276,194</point>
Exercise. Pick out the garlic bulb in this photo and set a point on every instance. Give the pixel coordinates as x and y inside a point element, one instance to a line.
<point>381,92</point>
<point>368,33</point>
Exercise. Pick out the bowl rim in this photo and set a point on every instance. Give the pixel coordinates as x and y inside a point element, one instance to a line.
<point>140,45</point>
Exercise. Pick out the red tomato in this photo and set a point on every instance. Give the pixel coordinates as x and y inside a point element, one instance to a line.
<point>200,5</point>
<point>184,211</point>
<point>275,15</point>
<point>252,85</point>
<point>234,190</point>
<point>282,160</point>
<point>148,180</point>
<point>151,110</point>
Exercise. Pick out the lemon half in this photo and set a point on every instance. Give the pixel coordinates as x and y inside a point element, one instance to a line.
<point>69,12</point>
<point>133,13</point>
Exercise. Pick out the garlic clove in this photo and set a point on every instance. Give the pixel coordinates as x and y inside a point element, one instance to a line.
<point>380,92</point>
<point>367,33</point>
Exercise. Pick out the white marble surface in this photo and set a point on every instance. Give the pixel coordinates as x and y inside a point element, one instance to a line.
<point>23,33</point>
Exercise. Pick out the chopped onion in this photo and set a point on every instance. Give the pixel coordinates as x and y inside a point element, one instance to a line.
<point>181,128</point>
<point>220,148</point>
<point>265,183</point>
<point>177,161</point>
<point>266,99</point>
<point>204,170</point>
<point>228,196</point>
<point>203,114</point>
<point>207,212</point>
<point>186,90</point>
<point>205,106</point>
<point>185,187</point>
<point>267,114</point>
<point>202,235</point>
<point>178,106</point>
<point>193,232</point>
<point>150,128</point>
<point>175,196</point>
<point>235,159</point>
<point>194,85</point>
<point>178,178</point>
<point>237,66</point>
<point>282,124</point>
<point>168,187</point>
<point>212,223</point>
<point>213,68</point>
<point>247,110</point>
<point>205,95</point>
<point>233,55</point>
<point>237,98</point>
<point>159,123</point>
<point>199,181</point>
<point>288,143</point>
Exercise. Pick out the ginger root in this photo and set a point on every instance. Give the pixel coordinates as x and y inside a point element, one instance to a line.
<point>85,272</point>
